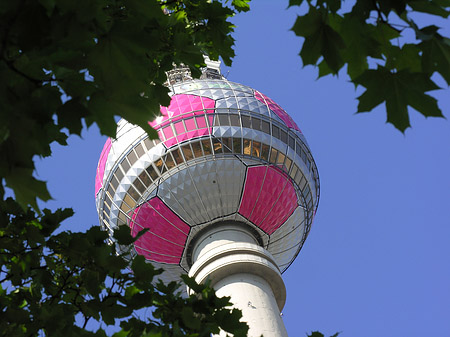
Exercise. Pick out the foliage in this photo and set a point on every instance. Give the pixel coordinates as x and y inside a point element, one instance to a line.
<point>51,281</point>
<point>319,334</point>
<point>65,61</point>
<point>371,40</point>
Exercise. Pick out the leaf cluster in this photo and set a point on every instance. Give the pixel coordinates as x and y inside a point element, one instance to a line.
<point>64,62</point>
<point>370,41</point>
<point>54,284</point>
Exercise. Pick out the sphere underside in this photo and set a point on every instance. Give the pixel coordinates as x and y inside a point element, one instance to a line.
<point>226,153</point>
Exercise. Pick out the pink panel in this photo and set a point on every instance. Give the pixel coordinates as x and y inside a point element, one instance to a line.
<point>201,122</point>
<point>171,141</point>
<point>181,107</point>
<point>179,128</point>
<point>277,109</point>
<point>164,242</point>
<point>269,198</point>
<point>168,132</point>
<point>190,124</point>
<point>182,137</point>
<point>101,165</point>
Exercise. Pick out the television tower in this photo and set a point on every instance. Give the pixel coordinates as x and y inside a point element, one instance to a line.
<point>228,193</point>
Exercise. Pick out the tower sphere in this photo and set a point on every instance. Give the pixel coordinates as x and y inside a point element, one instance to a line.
<point>227,154</point>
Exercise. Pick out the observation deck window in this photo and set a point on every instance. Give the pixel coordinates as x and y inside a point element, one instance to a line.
<point>265,127</point>
<point>145,178</point>
<point>139,186</point>
<point>292,142</point>
<point>275,131</point>
<point>139,150</point>
<point>169,161</point>
<point>132,158</point>
<point>284,136</point>
<point>187,152</point>
<point>133,193</point>
<point>207,149</point>
<point>235,121</point>
<point>246,122</point>
<point>273,156</point>
<point>152,172</point>
<point>118,173</point>
<point>177,156</point>
<point>265,152</point>
<point>125,165</point>
<point>217,146</point>
<point>197,149</point>
<point>160,166</point>
<point>247,146</point>
<point>237,148</point>
<point>256,149</point>
<point>227,145</point>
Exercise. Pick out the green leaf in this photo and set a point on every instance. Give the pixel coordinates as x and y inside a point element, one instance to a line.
<point>241,5</point>
<point>398,90</point>
<point>430,7</point>
<point>70,115</point>
<point>189,319</point>
<point>27,188</point>
<point>320,40</point>
<point>405,58</point>
<point>295,3</point>
<point>436,56</point>
<point>316,334</point>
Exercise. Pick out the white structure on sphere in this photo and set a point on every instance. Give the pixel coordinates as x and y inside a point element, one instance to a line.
<point>228,193</point>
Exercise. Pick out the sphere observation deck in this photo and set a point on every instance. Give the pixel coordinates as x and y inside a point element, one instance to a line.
<point>227,154</point>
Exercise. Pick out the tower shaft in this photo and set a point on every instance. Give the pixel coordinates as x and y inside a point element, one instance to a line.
<point>238,267</point>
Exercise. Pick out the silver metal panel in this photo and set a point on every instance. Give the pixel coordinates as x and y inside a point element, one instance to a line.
<point>286,237</point>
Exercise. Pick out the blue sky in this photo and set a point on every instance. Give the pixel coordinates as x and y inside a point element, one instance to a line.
<point>376,262</point>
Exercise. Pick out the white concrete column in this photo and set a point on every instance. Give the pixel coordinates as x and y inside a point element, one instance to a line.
<point>238,267</point>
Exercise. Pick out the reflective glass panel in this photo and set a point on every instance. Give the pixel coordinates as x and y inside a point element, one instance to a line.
<point>227,146</point>
<point>224,120</point>
<point>118,173</point>
<point>275,131</point>
<point>256,149</point>
<point>247,146</point>
<point>256,123</point>
<point>134,194</point>
<point>273,156</point>
<point>265,152</point>
<point>187,152</point>
<point>237,145</point>
<point>206,146</point>
<point>217,145</point>
<point>169,161</point>
<point>246,123</point>
<point>145,178</point>
<point>139,150</point>
<point>197,148</point>
<point>160,165</point>
<point>177,156</point>
<point>265,126</point>
<point>235,120</point>
<point>140,187</point>
<point>125,165</point>
<point>284,136</point>
<point>152,172</point>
